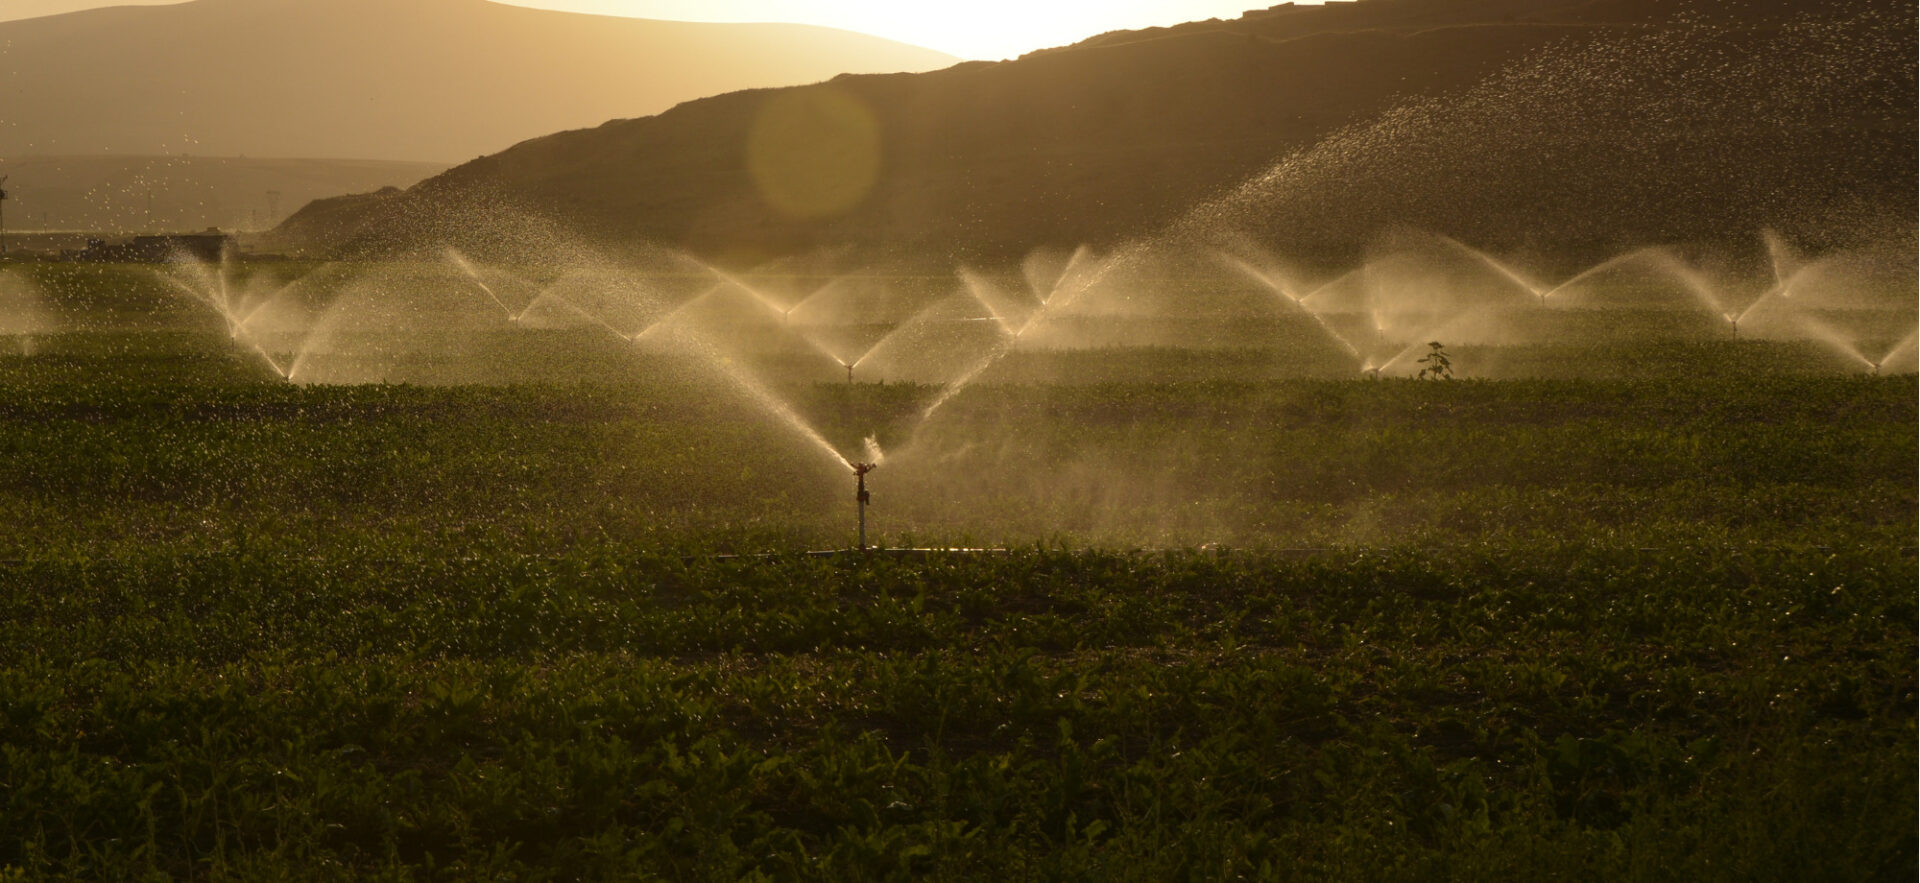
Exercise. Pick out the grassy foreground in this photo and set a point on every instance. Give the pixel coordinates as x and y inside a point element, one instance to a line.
<point>1593,630</point>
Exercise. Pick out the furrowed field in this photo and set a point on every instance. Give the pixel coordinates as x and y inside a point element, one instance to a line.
<point>1655,626</point>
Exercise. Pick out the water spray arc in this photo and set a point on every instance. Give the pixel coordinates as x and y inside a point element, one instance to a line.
<point>459,260</point>
<point>543,299</point>
<point>214,288</point>
<point>1609,265</point>
<point>1904,347</point>
<point>1374,316</point>
<point>1297,303</point>
<point>919,323</point>
<point>1057,295</point>
<point>776,309</point>
<point>1498,267</point>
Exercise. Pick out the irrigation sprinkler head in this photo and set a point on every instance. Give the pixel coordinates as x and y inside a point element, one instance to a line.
<point>849,367</point>
<point>861,498</point>
<point>860,471</point>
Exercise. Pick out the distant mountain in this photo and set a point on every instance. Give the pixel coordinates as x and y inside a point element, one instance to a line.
<point>16,9</point>
<point>137,194</point>
<point>415,80</point>
<point>1525,122</point>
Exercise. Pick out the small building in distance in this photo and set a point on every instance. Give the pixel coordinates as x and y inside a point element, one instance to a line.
<point>204,246</point>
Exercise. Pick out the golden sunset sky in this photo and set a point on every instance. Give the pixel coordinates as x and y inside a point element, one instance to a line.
<point>974,29</point>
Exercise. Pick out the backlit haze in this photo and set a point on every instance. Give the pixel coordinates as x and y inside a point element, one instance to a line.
<point>979,29</point>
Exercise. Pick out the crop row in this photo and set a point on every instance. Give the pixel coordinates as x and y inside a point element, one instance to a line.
<point>1383,715</point>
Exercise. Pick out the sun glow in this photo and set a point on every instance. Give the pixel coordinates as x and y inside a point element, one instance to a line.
<point>978,29</point>
<point>986,30</point>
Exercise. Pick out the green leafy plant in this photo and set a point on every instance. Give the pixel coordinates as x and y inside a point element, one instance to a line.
<point>1436,365</point>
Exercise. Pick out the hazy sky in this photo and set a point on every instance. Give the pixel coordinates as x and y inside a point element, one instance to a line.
<point>983,29</point>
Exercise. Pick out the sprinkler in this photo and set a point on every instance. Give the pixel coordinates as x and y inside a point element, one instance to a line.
<point>860,471</point>
<point>849,371</point>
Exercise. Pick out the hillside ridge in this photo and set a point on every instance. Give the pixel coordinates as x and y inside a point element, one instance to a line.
<point>1716,118</point>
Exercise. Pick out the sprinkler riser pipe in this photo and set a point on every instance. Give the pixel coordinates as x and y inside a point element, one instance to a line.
<point>861,498</point>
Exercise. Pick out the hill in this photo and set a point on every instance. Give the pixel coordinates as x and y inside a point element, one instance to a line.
<point>174,193</point>
<point>419,80</point>
<point>1537,124</point>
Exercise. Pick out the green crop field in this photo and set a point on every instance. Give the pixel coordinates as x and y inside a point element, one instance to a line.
<point>1651,621</point>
